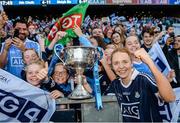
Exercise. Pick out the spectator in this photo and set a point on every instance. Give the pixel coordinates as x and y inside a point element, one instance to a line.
<point>13,47</point>
<point>133,31</point>
<point>173,57</point>
<point>148,36</point>
<point>169,33</point>
<point>36,74</point>
<point>117,40</point>
<point>61,77</point>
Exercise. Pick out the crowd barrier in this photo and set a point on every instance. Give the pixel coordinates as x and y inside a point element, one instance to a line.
<point>85,110</point>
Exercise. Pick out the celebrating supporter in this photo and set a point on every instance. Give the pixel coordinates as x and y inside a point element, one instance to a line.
<point>173,57</point>
<point>133,45</point>
<point>117,40</point>
<point>36,74</point>
<point>148,36</point>
<point>13,48</point>
<point>133,32</point>
<point>169,33</point>
<point>121,31</point>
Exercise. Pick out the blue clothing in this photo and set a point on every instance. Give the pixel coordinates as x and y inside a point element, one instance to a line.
<point>107,40</point>
<point>65,88</point>
<point>51,85</point>
<point>137,100</point>
<point>142,67</point>
<point>14,59</point>
<point>84,41</point>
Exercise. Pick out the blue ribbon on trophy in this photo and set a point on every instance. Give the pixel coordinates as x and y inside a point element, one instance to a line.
<point>57,50</point>
<point>96,81</point>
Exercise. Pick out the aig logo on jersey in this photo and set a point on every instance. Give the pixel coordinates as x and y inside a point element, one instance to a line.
<point>20,108</point>
<point>130,110</point>
<point>16,61</point>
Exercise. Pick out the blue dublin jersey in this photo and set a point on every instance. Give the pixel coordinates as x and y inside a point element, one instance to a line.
<point>14,59</point>
<point>137,100</point>
<point>142,67</point>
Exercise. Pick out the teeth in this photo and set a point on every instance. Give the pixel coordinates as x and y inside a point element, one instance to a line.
<point>34,79</point>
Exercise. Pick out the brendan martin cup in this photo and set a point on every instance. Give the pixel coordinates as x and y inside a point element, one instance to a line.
<point>79,58</point>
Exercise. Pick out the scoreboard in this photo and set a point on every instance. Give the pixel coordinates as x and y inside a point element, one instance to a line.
<point>96,2</point>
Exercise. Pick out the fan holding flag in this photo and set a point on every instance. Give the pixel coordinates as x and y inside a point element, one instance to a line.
<point>74,16</point>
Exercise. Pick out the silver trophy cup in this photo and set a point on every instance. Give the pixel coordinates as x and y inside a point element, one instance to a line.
<point>79,58</point>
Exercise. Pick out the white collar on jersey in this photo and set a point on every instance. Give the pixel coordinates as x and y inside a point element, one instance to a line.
<point>134,74</point>
<point>135,62</point>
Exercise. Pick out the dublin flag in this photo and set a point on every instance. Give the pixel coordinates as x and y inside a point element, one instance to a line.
<point>22,102</point>
<point>74,16</point>
<point>159,59</point>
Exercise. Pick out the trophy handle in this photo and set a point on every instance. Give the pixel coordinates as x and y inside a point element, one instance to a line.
<point>100,51</point>
<point>58,48</point>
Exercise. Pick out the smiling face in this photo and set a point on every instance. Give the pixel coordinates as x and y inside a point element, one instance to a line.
<point>132,32</point>
<point>60,74</point>
<point>116,39</point>
<point>97,32</point>
<point>122,65</point>
<point>23,31</point>
<point>148,39</point>
<point>132,44</point>
<point>31,74</point>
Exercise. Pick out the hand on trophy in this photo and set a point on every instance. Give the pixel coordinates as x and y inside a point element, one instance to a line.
<point>84,83</point>
<point>79,58</point>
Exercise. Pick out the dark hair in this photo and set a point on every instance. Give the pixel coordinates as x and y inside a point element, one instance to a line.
<point>148,30</point>
<point>177,36</point>
<point>168,26</point>
<point>64,67</point>
<point>19,21</point>
<point>99,41</point>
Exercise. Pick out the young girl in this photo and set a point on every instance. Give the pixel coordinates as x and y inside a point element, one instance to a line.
<point>36,73</point>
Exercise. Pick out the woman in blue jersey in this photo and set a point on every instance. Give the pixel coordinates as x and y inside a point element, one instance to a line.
<point>132,44</point>
<point>136,91</point>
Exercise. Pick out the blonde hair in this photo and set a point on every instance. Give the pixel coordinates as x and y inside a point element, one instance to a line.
<point>39,62</point>
<point>27,50</point>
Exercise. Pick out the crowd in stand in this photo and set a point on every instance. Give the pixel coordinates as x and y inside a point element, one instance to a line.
<point>125,64</point>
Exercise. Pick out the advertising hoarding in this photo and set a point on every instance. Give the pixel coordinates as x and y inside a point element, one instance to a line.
<point>174,2</point>
<point>153,2</point>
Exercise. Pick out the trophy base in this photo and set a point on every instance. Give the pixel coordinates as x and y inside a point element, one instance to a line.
<point>79,93</point>
<point>79,97</point>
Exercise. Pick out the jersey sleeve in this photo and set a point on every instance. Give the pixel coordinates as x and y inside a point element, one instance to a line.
<point>151,84</point>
